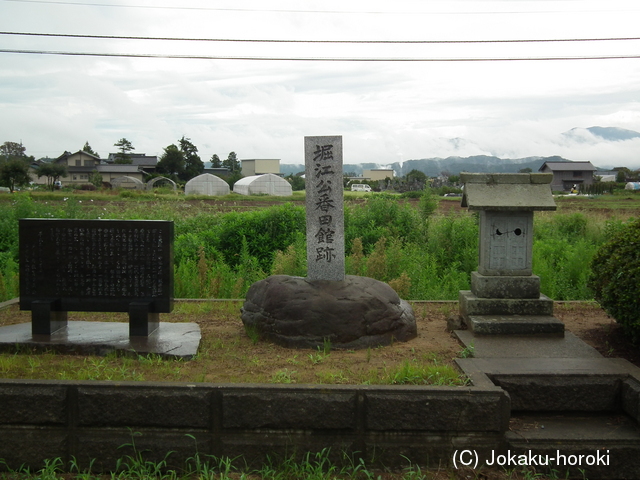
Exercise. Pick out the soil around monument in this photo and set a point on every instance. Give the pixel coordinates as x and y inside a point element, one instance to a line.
<point>228,354</point>
<point>596,328</point>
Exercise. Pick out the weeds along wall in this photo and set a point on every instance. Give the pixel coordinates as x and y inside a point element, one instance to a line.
<point>422,255</point>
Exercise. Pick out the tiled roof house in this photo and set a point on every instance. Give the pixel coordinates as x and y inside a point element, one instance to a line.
<point>567,174</point>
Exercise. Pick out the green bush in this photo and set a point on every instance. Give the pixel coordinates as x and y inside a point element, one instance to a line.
<point>292,261</point>
<point>615,278</point>
<point>264,231</point>
<point>195,224</point>
<point>453,240</point>
<point>411,194</point>
<point>428,204</point>
<point>429,256</point>
<point>563,267</point>
<point>381,216</point>
<point>564,226</point>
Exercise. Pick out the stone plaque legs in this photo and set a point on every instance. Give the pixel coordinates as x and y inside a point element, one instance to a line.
<point>46,318</point>
<point>142,322</point>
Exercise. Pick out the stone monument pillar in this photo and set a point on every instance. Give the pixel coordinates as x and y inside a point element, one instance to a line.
<point>325,208</point>
<point>505,295</point>
<point>346,311</point>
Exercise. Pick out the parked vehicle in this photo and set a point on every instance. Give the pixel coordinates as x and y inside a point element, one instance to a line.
<point>360,187</point>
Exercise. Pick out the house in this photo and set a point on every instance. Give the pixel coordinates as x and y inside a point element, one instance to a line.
<point>147,163</point>
<point>33,173</point>
<point>81,164</point>
<point>111,172</point>
<point>567,174</point>
<point>260,166</point>
<point>377,174</point>
<point>221,172</point>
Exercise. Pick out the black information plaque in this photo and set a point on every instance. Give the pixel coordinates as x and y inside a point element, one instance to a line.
<point>96,265</point>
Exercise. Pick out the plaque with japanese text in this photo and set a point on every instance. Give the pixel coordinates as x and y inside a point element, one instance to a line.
<point>96,265</point>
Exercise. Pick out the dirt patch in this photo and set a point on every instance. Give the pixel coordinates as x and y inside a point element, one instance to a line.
<point>603,207</point>
<point>592,324</point>
<point>228,354</point>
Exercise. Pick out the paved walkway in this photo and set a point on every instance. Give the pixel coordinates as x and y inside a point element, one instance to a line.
<point>566,399</point>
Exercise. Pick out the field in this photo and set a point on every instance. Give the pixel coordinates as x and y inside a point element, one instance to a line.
<point>426,262</point>
<point>229,355</point>
<point>425,248</point>
<point>225,244</point>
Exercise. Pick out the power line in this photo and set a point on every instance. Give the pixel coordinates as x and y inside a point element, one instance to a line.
<point>375,12</point>
<point>239,40</point>
<point>321,59</point>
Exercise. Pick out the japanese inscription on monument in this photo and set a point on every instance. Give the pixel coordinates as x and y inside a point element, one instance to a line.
<point>325,209</point>
<point>96,265</point>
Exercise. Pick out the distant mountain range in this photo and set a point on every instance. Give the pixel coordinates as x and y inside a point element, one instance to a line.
<point>433,167</point>
<point>610,134</point>
<point>453,165</point>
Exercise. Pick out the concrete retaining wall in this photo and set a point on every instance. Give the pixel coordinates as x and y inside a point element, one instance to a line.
<point>384,425</point>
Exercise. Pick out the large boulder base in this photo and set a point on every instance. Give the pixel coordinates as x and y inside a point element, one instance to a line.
<point>358,312</point>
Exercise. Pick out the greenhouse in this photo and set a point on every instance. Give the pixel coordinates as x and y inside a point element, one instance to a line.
<point>267,184</point>
<point>130,183</point>
<point>206,184</point>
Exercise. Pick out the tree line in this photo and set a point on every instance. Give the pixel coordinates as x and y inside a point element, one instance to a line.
<point>180,162</point>
<point>14,165</point>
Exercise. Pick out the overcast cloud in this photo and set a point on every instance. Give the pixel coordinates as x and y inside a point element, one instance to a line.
<point>385,111</point>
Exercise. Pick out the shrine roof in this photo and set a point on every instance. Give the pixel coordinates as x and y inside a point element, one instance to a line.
<point>507,191</point>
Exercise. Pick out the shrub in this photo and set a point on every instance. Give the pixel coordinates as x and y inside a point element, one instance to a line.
<point>376,263</point>
<point>411,194</point>
<point>292,261</point>
<point>454,240</point>
<point>381,216</point>
<point>571,226</point>
<point>127,194</point>
<point>354,263</point>
<point>264,231</point>
<point>196,224</point>
<point>563,267</point>
<point>428,204</point>
<point>402,285</point>
<point>615,278</point>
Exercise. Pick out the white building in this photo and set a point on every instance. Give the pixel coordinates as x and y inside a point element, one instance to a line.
<point>267,184</point>
<point>378,173</point>
<point>260,166</point>
<point>206,184</point>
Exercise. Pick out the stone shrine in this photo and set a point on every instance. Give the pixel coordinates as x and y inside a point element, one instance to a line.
<point>505,296</point>
<point>326,306</point>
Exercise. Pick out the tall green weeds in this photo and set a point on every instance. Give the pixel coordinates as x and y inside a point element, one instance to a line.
<point>422,255</point>
<point>562,251</point>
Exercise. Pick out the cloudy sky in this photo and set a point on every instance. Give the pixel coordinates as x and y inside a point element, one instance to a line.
<point>455,90</point>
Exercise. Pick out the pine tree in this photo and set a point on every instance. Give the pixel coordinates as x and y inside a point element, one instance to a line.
<point>125,147</point>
